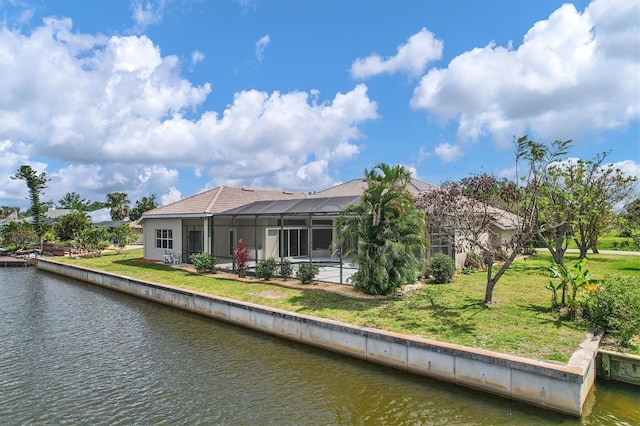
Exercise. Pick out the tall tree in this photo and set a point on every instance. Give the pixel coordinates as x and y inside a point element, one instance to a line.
<point>468,208</point>
<point>119,205</point>
<point>72,200</point>
<point>386,230</point>
<point>36,182</point>
<point>143,205</point>
<point>583,194</point>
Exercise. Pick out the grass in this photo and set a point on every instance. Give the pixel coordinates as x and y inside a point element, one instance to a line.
<point>522,323</point>
<point>611,241</point>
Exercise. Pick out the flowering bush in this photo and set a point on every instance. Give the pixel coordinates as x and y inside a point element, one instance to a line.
<point>241,255</point>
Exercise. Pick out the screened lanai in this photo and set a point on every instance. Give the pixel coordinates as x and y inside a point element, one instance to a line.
<point>297,229</point>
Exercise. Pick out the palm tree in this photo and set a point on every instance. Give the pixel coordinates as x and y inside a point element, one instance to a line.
<point>119,205</point>
<point>389,231</point>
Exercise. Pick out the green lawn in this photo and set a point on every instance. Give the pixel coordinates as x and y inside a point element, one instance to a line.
<point>611,241</point>
<point>522,323</point>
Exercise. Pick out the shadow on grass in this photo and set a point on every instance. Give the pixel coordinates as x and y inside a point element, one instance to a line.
<point>137,263</point>
<point>553,318</point>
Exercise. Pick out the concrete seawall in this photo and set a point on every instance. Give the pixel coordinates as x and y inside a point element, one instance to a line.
<point>562,388</point>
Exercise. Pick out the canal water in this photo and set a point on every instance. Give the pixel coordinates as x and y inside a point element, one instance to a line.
<point>72,353</point>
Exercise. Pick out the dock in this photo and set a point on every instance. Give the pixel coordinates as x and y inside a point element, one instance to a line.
<point>8,261</point>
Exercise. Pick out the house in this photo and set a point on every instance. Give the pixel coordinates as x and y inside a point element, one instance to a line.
<point>189,226</point>
<point>278,224</point>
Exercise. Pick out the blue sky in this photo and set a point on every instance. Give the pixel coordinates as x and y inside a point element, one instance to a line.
<point>174,97</point>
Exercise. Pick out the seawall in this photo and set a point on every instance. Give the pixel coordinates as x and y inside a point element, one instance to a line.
<point>562,388</point>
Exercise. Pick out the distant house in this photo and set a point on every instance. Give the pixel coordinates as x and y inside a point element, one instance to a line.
<point>278,224</point>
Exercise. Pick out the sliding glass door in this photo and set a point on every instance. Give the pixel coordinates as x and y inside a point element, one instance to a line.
<point>293,242</point>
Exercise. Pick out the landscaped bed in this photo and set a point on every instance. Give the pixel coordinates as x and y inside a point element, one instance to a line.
<point>522,323</point>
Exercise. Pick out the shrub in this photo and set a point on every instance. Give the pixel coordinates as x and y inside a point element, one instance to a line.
<point>625,233</point>
<point>265,269</point>
<point>529,249</point>
<point>241,256</point>
<point>615,307</point>
<point>306,273</point>
<point>203,262</point>
<point>442,268</point>
<point>473,261</point>
<point>502,254</point>
<point>468,270</point>
<point>285,269</point>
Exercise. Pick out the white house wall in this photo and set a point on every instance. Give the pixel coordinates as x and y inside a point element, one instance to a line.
<point>150,227</point>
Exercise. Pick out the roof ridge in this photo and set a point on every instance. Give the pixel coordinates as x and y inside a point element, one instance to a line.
<point>215,197</point>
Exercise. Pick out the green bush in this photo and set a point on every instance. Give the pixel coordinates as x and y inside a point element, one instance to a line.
<point>473,260</point>
<point>442,268</point>
<point>468,270</point>
<point>265,269</point>
<point>203,262</point>
<point>285,269</point>
<point>529,249</point>
<point>615,307</point>
<point>306,273</point>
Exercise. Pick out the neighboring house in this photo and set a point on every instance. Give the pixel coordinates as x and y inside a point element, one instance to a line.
<point>273,223</point>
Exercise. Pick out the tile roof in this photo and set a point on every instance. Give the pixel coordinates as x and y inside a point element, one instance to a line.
<point>220,199</point>
<point>357,187</point>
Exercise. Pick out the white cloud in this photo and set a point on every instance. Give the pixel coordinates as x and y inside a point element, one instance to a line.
<point>448,152</point>
<point>412,57</point>
<point>171,196</point>
<point>116,108</point>
<point>573,73</point>
<point>196,57</point>
<point>146,13</point>
<point>261,45</point>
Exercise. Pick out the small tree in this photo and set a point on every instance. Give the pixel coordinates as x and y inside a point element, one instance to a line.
<point>241,257</point>
<point>70,226</point>
<point>469,208</point>
<point>582,197</point>
<point>94,239</point>
<point>19,233</point>
<point>122,236</point>
<point>574,279</point>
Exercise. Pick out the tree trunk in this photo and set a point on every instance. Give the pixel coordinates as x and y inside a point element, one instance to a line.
<point>583,250</point>
<point>488,294</point>
<point>491,283</point>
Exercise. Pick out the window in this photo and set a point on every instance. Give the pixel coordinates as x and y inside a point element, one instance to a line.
<point>164,239</point>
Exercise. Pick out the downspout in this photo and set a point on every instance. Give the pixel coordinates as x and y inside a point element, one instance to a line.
<point>233,243</point>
